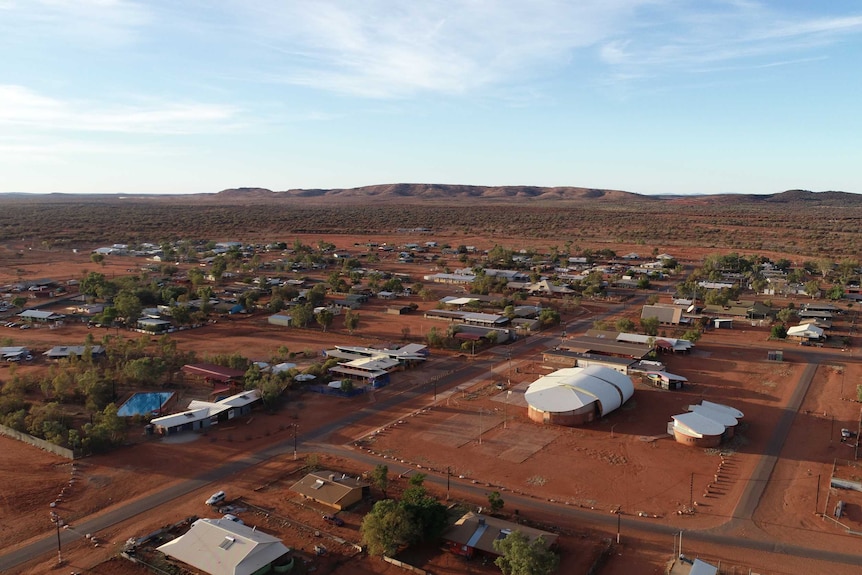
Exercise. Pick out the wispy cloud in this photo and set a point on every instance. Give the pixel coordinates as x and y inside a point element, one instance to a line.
<point>20,106</point>
<point>90,22</point>
<point>380,48</point>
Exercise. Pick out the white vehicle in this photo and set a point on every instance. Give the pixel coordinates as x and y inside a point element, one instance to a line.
<point>233,518</point>
<point>216,498</point>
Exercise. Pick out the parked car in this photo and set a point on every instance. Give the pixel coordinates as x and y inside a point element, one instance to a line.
<point>334,520</point>
<point>233,518</point>
<point>216,498</point>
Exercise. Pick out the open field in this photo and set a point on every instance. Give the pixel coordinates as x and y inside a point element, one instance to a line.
<point>625,462</point>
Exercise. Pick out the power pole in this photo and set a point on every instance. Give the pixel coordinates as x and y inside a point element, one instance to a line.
<point>817,496</point>
<point>690,493</point>
<point>294,441</point>
<point>448,475</point>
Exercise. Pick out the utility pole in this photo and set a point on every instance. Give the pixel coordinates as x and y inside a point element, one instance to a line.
<point>448,475</point>
<point>480,426</point>
<point>506,409</point>
<point>619,521</point>
<point>817,496</point>
<point>690,493</point>
<point>294,441</point>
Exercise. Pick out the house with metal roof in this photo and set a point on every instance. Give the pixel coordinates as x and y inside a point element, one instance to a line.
<point>64,351</point>
<point>203,414</point>
<point>474,534</point>
<point>40,315</point>
<point>805,332</point>
<point>336,490</point>
<point>225,547</point>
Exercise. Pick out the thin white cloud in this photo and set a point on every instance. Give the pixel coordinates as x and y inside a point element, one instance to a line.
<point>20,106</point>
<point>81,22</point>
<point>380,48</point>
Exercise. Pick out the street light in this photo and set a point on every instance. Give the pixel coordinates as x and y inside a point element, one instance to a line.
<point>506,407</point>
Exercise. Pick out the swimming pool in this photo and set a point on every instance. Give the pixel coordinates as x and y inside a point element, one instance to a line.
<point>144,403</point>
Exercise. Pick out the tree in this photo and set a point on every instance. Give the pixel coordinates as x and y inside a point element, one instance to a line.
<point>351,321</point>
<point>779,331</point>
<point>624,324</point>
<point>520,556</point>
<point>649,325</point>
<point>812,288</point>
<point>219,267</point>
<point>97,258</point>
<point>300,315</point>
<point>386,528</point>
<point>380,478</point>
<point>128,307</point>
<point>495,501</point>
<point>324,318</point>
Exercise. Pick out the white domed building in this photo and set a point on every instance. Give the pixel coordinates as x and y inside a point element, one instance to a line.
<point>577,395</point>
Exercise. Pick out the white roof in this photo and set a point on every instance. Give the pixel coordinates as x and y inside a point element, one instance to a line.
<point>721,407</point>
<point>224,547</point>
<point>697,425</point>
<point>278,368</point>
<point>38,314</point>
<point>677,344</point>
<point>459,300</point>
<point>809,330</point>
<point>199,410</point>
<point>572,388</point>
<point>718,415</point>
<point>668,376</point>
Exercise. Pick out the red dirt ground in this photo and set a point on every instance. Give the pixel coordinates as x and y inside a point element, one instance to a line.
<point>625,461</point>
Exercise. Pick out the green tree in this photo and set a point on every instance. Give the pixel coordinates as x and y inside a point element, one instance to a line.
<point>324,318</point>
<point>779,331</point>
<point>380,478</point>
<point>219,267</point>
<point>128,307</point>
<point>649,325</point>
<point>812,288</point>
<point>386,528</point>
<point>97,258</point>
<point>351,321</point>
<point>624,324</point>
<point>300,315</point>
<point>495,501</point>
<point>520,556</point>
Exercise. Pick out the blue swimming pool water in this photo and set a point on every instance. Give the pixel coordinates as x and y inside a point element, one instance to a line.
<point>144,403</point>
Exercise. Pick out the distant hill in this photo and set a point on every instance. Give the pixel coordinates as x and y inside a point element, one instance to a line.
<point>442,194</point>
<point>437,193</point>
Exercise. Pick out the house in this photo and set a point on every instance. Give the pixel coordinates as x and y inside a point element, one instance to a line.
<point>666,314</point>
<point>225,547</point>
<point>37,315</point>
<point>805,332</point>
<point>64,351</point>
<point>202,414</point>
<point>567,358</point>
<point>666,380</point>
<point>280,319</point>
<point>475,534</point>
<point>335,490</point>
<point>16,353</point>
<point>154,325</point>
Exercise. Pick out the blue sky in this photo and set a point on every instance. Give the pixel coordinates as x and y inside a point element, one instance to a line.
<point>648,96</point>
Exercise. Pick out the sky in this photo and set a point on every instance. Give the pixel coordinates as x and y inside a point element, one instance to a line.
<point>646,96</point>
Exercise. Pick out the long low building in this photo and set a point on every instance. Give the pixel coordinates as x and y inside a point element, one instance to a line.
<point>575,396</point>
<point>203,414</point>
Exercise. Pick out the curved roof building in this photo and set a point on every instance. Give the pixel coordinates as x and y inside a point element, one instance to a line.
<point>705,425</point>
<point>575,396</point>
